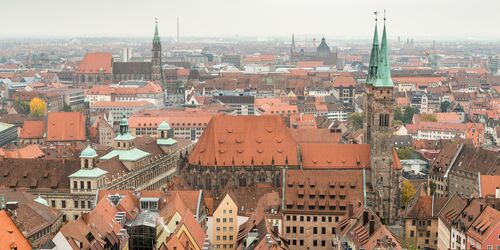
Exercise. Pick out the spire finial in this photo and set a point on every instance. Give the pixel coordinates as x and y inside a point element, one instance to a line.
<point>376,15</point>
<point>385,15</point>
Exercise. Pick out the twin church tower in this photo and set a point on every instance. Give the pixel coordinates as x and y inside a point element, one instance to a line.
<point>378,123</point>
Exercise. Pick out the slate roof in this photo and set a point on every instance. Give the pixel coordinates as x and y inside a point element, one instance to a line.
<point>132,68</point>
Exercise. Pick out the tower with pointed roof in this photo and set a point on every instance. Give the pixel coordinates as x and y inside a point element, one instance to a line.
<point>156,70</point>
<point>379,116</point>
<point>292,48</point>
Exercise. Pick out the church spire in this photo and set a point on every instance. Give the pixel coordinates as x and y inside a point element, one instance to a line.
<point>374,57</point>
<point>384,70</point>
<point>156,38</point>
<point>292,48</point>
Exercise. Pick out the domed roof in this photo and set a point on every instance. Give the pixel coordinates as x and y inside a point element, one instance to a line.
<point>88,152</point>
<point>164,126</point>
<point>323,47</point>
<point>124,121</point>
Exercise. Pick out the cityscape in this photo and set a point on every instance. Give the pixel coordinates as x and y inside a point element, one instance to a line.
<point>175,131</point>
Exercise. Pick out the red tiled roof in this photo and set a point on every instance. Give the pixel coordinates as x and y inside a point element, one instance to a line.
<point>10,235</point>
<point>94,62</point>
<point>106,104</point>
<point>487,223</point>
<point>319,135</point>
<point>29,152</point>
<point>32,130</point>
<point>344,81</point>
<point>489,185</point>
<point>245,141</point>
<point>65,126</point>
<point>335,156</point>
<point>309,64</point>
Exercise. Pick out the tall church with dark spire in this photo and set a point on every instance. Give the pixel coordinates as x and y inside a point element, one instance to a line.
<point>156,70</point>
<point>379,116</point>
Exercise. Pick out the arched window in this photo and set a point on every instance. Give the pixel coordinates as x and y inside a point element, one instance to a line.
<point>86,163</point>
<point>208,182</point>
<point>242,181</point>
<point>223,182</point>
<point>384,120</point>
<point>162,134</point>
<point>262,178</point>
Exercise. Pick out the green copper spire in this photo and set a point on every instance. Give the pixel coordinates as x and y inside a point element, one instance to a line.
<point>372,67</point>
<point>384,70</point>
<point>156,38</point>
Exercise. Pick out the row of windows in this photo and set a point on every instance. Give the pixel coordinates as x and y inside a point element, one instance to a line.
<point>313,218</point>
<point>315,243</point>
<point>224,220</point>
<point>224,237</point>
<point>224,229</point>
<point>315,230</point>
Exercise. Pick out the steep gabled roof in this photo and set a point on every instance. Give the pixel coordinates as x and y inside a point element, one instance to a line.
<point>245,141</point>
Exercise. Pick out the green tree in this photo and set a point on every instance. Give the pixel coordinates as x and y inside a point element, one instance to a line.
<point>428,118</point>
<point>398,114</point>
<point>444,106</point>
<point>432,186</point>
<point>404,153</point>
<point>408,114</point>
<point>355,120</point>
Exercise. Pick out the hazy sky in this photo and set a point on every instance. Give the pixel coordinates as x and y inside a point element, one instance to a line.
<point>432,19</point>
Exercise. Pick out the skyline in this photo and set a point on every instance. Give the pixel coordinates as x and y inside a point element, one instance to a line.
<point>439,20</point>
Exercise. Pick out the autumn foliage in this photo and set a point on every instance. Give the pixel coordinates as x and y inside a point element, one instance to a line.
<point>37,107</point>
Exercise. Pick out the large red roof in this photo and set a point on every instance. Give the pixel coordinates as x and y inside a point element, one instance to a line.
<point>245,140</point>
<point>66,126</point>
<point>335,156</point>
<point>32,129</point>
<point>10,235</point>
<point>94,62</point>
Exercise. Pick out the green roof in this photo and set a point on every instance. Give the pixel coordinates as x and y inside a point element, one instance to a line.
<point>42,201</point>
<point>164,126</point>
<point>88,173</point>
<point>124,137</point>
<point>372,67</point>
<point>126,155</point>
<point>123,122</point>
<point>168,142</point>
<point>88,152</point>
<point>156,38</point>
<point>384,70</point>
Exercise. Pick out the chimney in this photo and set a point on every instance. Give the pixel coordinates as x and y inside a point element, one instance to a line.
<point>365,217</point>
<point>371,227</point>
<point>497,192</point>
<point>350,211</point>
<point>12,205</point>
<point>481,207</point>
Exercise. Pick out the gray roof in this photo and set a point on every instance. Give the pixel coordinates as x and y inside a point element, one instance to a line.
<point>235,99</point>
<point>145,218</point>
<point>132,68</point>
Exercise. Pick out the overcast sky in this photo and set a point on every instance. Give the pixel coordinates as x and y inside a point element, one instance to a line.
<point>433,19</point>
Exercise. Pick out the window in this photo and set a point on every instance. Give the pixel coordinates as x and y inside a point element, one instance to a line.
<point>63,204</point>
<point>301,242</point>
<point>64,218</point>
<point>315,243</point>
<point>53,203</point>
<point>323,243</point>
<point>287,230</point>
<point>384,120</point>
<point>301,230</point>
<point>82,185</point>
<point>75,217</point>
<point>75,184</point>
<point>412,233</point>
<point>294,230</point>
<point>89,185</point>
<point>89,204</point>
<point>76,204</point>
<point>315,230</point>
<point>323,230</point>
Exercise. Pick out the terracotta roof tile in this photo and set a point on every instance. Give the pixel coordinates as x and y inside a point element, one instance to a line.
<point>94,62</point>
<point>344,81</point>
<point>10,235</point>
<point>320,156</point>
<point>65,126</point>
<point>244,141</point>
<point>487,223</point>
<point>320,135</point>
<point>32,130</point>
<point>490,185</point>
